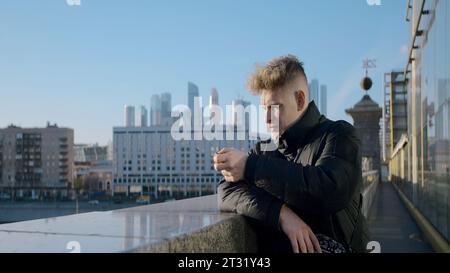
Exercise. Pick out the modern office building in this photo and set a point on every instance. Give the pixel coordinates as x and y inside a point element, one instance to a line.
<point>161,110</point>
<point>314,91</point>
<point>215,115</point>
<point>241,120</point>
<point>214,97</point>
<point>129,116</point>
<point>166,109</point>
<point>395,114</point>
<point>323,107</point>
<point>318,93</point>
<point>155,110</point>
<point>36,162</point>
<point>143,116</point>
<point>193,93</point>
<point>148,161</point>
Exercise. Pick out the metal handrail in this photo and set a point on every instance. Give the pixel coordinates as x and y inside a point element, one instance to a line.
<point>417,33</point>
<point>408,8</point>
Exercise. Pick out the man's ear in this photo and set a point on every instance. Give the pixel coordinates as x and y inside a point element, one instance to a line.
<point>301,100</point>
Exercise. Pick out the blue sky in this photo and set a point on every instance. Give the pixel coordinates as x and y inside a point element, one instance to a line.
<point>78,65</point>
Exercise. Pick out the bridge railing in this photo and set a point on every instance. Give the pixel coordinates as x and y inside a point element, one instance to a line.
<point>371,180</point>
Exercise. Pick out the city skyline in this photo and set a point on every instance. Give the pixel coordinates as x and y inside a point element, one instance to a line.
<point>161,109</point>
<point>76,65</point>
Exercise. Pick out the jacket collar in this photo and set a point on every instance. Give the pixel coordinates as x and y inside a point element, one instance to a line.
<point>294,136</point>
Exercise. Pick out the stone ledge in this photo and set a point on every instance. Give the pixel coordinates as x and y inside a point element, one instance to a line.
<point>190,225</point>
<point>233,235</point>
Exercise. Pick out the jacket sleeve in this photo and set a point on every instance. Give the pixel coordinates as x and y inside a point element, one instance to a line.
<point>328,186</point>
<point>250,201</point>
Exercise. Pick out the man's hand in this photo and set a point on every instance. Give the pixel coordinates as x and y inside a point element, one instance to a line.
<point>231,163</point>
<point>299,233</point>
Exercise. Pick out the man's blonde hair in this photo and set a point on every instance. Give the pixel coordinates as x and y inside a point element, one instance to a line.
<point>275,74</point>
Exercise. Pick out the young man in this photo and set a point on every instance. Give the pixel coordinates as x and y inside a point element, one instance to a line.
<point>310,186</point>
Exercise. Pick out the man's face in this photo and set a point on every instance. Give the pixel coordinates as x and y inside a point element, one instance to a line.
<point>284,107</point>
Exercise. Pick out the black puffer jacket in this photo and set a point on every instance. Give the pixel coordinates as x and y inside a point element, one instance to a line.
<point>316,171</point>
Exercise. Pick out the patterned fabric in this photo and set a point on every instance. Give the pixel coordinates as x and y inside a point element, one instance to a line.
<point>329,245</point>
